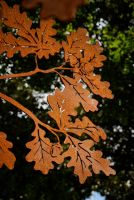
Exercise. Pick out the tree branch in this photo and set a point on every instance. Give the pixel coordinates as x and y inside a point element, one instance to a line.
<point>29,113</point>
<point>35,71</point>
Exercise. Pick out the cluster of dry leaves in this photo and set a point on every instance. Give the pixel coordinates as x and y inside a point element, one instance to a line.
<point>82,58</point>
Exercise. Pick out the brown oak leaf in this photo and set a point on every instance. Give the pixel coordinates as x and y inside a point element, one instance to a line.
<point>97,86</point>
<point>82,158</point>
<point>63,9</point>
<point>63,106</point>
<point>92,58</point>
<point>58,111</point>
<point>6,156</point>
<point>43,152</point>
<point>82,55</point>
<point>73,48</point>
<point>85,125</point>
<point>37,41</point>
<point>79,94</point>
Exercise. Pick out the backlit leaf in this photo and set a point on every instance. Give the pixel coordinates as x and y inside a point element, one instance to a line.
<point>63,106</point>
<point>82,157</point>
<point>43,152</point>
<point>6,156</point>
<point>86,126</point>
<point>37,41</point>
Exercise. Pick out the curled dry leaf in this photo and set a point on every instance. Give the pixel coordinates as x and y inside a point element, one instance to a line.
<point>43,152</point>
<point>82,158</point>
<point>6,156</point>
<point>63,9</point>
<point>37,41</point>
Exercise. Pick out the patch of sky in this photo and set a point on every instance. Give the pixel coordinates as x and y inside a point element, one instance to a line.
<point>96,196</point>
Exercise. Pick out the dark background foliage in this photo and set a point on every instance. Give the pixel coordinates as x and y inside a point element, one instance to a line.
<point>112,22</point>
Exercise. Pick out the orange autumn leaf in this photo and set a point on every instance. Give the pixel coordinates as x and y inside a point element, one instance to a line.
<point>6,156</point>
<point>97,86</point>
<point>58,111</point>
<point>73,48</point>
<point>78,157</point>
<point>63,106</point>
<point>100,164</point>
<point>84,58</point>
<point>63,9</point>
<point>82,159</point>
<point>85,126</point>
<point>91,58</point>
<point>79,94</point>
<point>82,55</point>
<point>37,41</point>
<point>43,152</point>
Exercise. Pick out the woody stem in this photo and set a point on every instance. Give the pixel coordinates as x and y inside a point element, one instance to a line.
<point>35,71</point>
<point>29,113</point>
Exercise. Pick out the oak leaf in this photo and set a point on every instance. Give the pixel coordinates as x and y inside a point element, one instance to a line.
<point>92,58</point>
<point>63,106</point>
<point>82,158</point>
<point>73,48</point>
<point>63,10</point>
<point>82,55</point>
<point>97,86</point>
<point>43,152</point>
<point>58,111</point>
<point>37,41</point>
<point>79,94</point>
<point>85,125</point>
<point>6,156</point>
